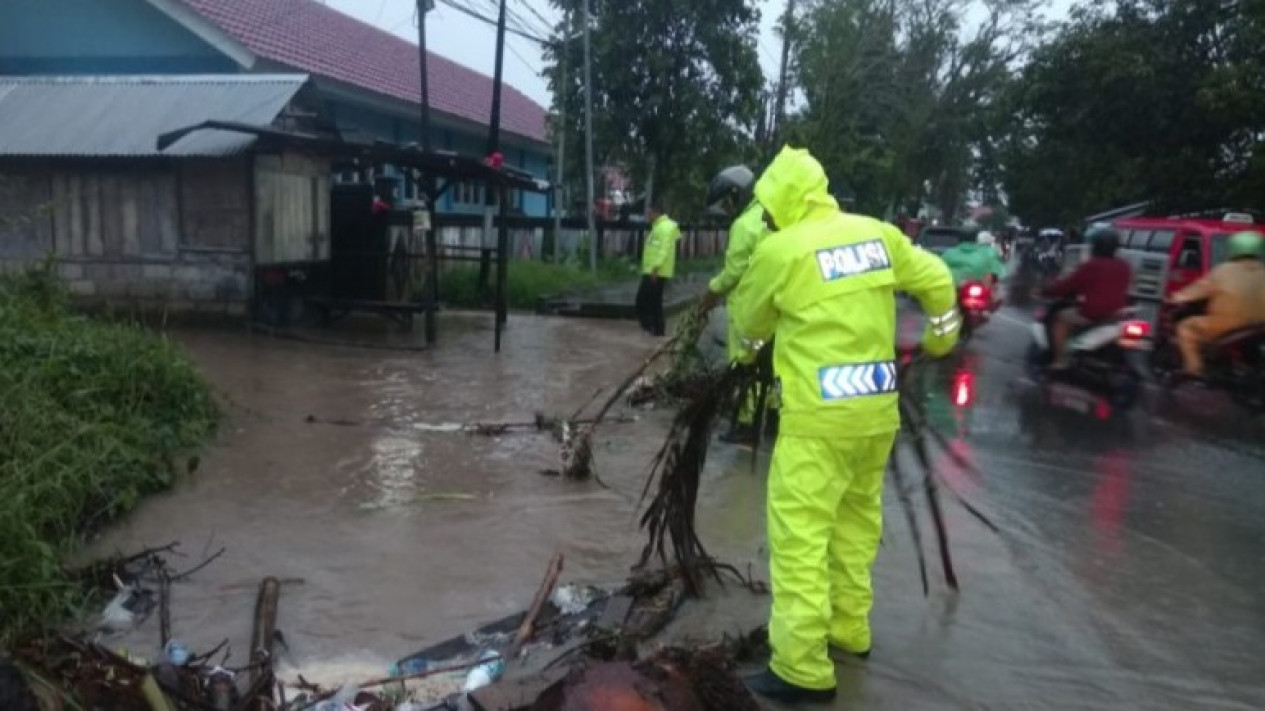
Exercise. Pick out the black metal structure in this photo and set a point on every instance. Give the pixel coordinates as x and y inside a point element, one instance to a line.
<point>354,289</point>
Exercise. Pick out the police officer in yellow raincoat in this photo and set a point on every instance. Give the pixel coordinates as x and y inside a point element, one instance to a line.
<point>658,266</point>
<point>826,286</point>
<point>730,194</point>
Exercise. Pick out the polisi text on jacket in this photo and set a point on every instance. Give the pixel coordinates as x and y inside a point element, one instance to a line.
<point>853,259</point>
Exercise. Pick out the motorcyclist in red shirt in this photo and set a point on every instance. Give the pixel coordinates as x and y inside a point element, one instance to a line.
<point>1101,286</point>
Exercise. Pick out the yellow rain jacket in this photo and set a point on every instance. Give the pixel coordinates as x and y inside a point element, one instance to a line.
<point>826,286</point>
<point>660,249</point>
<point>744,234</point>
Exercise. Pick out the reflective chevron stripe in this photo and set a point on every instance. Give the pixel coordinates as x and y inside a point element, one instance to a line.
<point>840,382</point>
<point>946,323</point>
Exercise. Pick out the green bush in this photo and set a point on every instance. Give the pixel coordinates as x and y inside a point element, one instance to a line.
<point>92,416</point>
<point>528,281</point>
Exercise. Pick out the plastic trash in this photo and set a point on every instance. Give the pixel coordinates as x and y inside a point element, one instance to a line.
<point>177,653</point>
<point>486,673</point>
<point>571,599</point>
<point>128,606</point>
<point>222,688</point>
<point>414,665</point>
<point>344,700</point>
<point>116,617</point>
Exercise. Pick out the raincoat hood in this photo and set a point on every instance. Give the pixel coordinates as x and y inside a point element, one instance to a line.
<point>792,186</point>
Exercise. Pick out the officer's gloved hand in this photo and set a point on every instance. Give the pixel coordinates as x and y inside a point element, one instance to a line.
<point>936,345</point>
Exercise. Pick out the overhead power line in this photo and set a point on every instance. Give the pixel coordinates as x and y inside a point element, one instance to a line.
<point>489,21</point>
<point>544,21</point>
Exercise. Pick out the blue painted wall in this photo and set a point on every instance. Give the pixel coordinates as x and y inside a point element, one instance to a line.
<point>99,37</point>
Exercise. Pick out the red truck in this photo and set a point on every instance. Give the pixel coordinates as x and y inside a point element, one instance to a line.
<point>1169,253</point>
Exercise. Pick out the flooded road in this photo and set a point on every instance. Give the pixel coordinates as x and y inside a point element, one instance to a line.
<point>1128,573</point>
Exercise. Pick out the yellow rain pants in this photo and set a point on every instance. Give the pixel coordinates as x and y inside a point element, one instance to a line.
<point>825,517</point>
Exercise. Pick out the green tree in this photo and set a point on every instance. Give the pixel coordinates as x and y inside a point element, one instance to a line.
<point>1160,100</point>
<point>901,95</point>
<point>676,89</point>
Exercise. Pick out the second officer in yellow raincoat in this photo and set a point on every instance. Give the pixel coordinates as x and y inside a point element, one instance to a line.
<point>826,286</point>
<point>730,194</point>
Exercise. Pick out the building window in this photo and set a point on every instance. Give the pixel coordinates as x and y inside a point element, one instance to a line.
<point>467,193</point>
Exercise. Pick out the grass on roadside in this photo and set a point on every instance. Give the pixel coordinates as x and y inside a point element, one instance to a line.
<point>92,417</point>
<point>528,280</point>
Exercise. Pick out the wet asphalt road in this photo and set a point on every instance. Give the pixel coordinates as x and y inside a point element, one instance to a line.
<point>1129,569</point>
<point>1128,573</point>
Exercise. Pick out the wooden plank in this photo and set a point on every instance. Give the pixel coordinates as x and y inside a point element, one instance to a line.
<point>514,694</point>
<point>61,215</point>
<point>132,190</point>
<point>43,190</point>
<point>77,218</point>
<point>264,207</point>
<point>149,222</point>
<point>167,207</point>
<point>92,207</point>
<point>110,195</point>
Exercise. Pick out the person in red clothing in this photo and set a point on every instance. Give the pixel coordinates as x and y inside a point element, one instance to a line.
<point>1101,285</point>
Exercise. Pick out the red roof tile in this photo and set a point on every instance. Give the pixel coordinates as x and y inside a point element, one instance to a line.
<point>319,40</point>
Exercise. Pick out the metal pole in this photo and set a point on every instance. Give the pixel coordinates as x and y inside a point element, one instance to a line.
<point>494,129</point>
<point>562,143</point>
<point>428,180</point>
<point>779,107</point>
<point>588,139</point>
<point>494,142</point>
<point>502,266</point>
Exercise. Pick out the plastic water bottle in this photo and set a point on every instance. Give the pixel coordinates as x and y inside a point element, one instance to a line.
<point>177,653</point>
<point>486,673</point>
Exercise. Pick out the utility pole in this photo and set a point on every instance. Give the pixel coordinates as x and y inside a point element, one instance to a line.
<point>498,194</point>
<point>588,138</point>
<point>779,107</point>
<point>494,142</point>
<point>427,186</point>
<point>558,196</point>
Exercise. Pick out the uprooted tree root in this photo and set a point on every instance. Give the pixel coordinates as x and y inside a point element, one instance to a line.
<point>678,467</point>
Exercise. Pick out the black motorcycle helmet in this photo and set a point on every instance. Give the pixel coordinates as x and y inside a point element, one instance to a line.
<point>1104,240</point>
<point>733,185</point>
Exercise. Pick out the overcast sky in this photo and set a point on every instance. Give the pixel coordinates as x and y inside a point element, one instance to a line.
<point>473,43</point>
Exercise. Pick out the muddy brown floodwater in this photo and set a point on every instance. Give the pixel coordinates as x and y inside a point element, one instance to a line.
<point>403,534</point>
<point>1127,574</point>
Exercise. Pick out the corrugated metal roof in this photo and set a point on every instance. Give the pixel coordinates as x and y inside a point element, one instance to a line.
<point>123,116</point>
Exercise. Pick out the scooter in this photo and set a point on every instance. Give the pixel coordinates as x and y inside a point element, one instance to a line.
<point>976,301</point>
<point>1049,262</point>
<point>1107,359</point>
<point>1235,362</point>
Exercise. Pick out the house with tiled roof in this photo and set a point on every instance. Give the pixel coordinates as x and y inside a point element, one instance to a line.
<point>367,79</point>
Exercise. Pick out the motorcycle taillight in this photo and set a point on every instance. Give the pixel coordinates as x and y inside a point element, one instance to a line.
<point>975,296</point>
<point>963,388</point>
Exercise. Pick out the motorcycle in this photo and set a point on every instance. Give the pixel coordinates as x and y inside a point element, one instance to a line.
<point>1106,359</point>
<point>1235,362</point>
<point>1049,262</point>
<point>976,301</point>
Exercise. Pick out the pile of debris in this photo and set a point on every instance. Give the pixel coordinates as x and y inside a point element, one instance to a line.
<point>575,648</point>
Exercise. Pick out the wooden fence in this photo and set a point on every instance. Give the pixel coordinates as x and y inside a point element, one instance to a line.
<point>534,238</point>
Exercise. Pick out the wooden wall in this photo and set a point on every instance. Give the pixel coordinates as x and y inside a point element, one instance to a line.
<point>291,209</point>
<point>162,234</point>
<point>114,214</point>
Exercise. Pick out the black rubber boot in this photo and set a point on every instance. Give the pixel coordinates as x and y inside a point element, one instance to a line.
<point>772,686</point>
